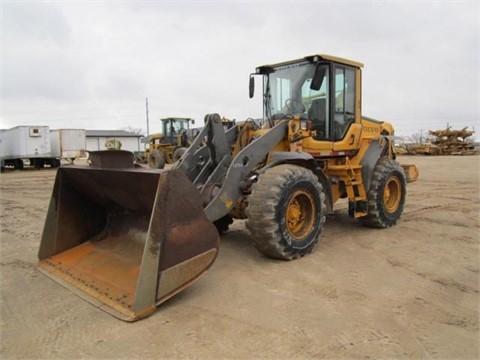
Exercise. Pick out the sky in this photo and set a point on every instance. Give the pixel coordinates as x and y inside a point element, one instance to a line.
<point>93,64</point>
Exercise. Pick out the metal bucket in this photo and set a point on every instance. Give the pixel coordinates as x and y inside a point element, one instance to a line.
<point>126,239</point>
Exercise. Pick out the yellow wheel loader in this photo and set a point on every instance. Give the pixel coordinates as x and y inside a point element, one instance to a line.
<point>168,146</point>
<point>128,251</point>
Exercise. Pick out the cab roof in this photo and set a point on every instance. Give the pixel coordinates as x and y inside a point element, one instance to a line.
<point>316,58</point>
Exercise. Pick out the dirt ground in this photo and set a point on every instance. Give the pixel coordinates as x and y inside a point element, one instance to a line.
<point>411,291</point>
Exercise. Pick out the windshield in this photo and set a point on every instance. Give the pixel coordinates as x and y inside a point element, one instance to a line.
<point>288,92</point>
<point>176,127</point>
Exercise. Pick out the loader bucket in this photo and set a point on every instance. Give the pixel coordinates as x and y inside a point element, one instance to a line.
<point>126,239</point>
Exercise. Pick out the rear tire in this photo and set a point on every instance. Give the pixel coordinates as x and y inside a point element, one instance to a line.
<point>18,164</point>
<point>386,197</point>
<point>38,164</point>
<point>223,223</point>
<point>286,212</point>
<point>156,159</point>
<point>56,163</point>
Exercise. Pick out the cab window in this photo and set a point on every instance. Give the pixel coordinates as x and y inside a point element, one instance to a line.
<point>344,100</point>
<point>318,107</point>
<point>283,90</point>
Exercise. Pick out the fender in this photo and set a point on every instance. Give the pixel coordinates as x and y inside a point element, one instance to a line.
<point>308,161</point>
<point>374,153</point>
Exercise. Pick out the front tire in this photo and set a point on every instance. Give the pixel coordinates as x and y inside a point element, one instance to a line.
<point>386,197</point>
<point>286,212</point>
<point>156,159</point>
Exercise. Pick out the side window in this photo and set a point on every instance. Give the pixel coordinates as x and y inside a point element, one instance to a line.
<point>344,101</point>
<point>350,94</point>
<point>339,91</point>
<point>317,107</point>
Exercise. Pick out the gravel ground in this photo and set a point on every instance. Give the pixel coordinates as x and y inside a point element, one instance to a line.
<point>411,291</point>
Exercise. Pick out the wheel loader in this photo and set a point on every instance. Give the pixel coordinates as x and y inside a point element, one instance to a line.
<point>168,146</point>
<point>128,251</point>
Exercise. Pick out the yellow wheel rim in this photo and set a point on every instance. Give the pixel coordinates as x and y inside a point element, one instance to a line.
<point>300,214</point>
<point>392,194</point>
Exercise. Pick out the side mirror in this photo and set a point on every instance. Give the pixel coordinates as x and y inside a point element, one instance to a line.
<point>317,80</point>
<point>193,121</point>
<point>251,86</point>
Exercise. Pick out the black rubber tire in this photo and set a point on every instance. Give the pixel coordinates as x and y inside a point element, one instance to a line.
<point>56,163</point>
<point>223,223</point>
<point>38,163</point>
<point>18,165</point>
<point>177,154</point>
<point>156,159</point>
<point>386,197</point>
<point>278,191</point>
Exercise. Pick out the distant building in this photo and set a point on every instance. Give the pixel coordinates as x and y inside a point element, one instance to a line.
<point>130,141</point>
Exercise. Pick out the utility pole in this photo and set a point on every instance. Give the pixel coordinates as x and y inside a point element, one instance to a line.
<point>146,106</point>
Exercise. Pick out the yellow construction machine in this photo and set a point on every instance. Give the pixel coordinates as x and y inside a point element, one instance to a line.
<point>128,251</point>
<point>168,146</point>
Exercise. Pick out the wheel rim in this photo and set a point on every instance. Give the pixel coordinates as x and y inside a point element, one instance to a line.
<point>392,194</point>
<point>300,214</point>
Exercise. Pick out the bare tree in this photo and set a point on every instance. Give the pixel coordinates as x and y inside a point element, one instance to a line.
<point>416,138</point>
<point>134,130</point>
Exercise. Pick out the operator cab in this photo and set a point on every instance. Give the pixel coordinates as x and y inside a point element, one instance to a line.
<point>320,88</point>
<point>175,127</point>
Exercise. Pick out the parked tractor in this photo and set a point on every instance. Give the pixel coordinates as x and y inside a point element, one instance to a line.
<point>168,146</point>
<point>128,251</point>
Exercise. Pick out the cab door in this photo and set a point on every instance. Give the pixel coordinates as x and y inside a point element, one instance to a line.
<point>345,103</point>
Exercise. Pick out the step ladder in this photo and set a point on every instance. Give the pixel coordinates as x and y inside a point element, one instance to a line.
<point>351,176</point>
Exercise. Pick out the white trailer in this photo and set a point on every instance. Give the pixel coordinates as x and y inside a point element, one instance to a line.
<point>69,144</point>
<point>27,143</point>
